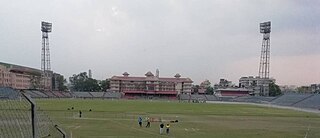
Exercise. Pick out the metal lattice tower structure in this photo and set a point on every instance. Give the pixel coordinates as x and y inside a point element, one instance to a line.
<point>45,54</point>
<point>264,68</point>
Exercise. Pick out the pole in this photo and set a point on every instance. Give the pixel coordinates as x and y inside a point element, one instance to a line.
<point>33,116</point>
<point>61,131</point>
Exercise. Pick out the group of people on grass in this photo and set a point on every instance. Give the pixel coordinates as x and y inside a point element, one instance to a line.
<point>140,120</point>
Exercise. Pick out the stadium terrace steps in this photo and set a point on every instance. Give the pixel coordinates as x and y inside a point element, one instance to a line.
<point>82,94</point>
<point>33,94</point>
<point>112,95</point>
<point>310,102</point>
<point>253,99</point>
<point>184,97</point>
<point>97,94</point>
<point>289,99</point>
<point>8,93</point>
<point>303,99</point>
<point>41,95</point>
<point>211,97</point>
<point>49,94</point>
<point>67,94</point>
<point>57,94</point>
<point>197,97</point>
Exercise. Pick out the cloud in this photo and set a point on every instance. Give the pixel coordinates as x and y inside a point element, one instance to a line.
<point>199,39</point>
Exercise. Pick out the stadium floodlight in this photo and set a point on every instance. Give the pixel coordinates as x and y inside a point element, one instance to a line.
<point>46,27</point>
<point>265,27</point>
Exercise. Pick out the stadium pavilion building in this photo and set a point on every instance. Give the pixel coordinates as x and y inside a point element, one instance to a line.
<point>150,85</point>
<point>21,77</point>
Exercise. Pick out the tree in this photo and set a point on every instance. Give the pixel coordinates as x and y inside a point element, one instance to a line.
<point>196,88</point>
<point>274,89</point>
<point>35,82</point>
<point>209,90</point>
<point>81,82</point>
<point>61,83</point>
<point>104,85</point>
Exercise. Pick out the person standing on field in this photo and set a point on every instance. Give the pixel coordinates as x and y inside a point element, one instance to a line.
<point>161,128</point>
<point>148,122</point>
<point>80,113</point>
<point>140,121</point>
<point>168,128</point>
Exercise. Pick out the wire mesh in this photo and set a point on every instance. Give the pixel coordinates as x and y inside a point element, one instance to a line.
<point>16,118</point>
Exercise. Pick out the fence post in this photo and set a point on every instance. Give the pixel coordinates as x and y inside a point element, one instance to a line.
<point>61,131</point>
<point>33,115</point>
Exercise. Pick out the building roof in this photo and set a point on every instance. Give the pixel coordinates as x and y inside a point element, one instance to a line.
<point>151,78</point>
<point>234,89</point>
<point>125,74</point>
<point>18,68</point>
<point>149,74</point>
<point>150,92</point>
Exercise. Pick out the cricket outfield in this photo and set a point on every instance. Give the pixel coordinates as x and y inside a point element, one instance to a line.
<point>119,118</point>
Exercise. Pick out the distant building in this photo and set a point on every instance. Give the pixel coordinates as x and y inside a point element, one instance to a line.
<point>21,77</point>
<point>150,85</point>
<point>55,81</point>
<point>260,86</point>
<point>288,88</point>
<point>315,88</point>
<point>307,89</point>
<point>233,92</point>
<point>90,73</point>
<point>224,83</point>
<point>204,86</point>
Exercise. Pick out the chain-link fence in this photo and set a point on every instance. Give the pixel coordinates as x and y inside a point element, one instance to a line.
<point>21,118</point>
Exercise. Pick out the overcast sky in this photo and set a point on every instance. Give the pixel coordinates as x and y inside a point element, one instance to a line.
<point>200,39</point>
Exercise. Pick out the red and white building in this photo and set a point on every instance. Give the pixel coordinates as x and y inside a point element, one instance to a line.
<point>150,85</point>
<point>233,92</point>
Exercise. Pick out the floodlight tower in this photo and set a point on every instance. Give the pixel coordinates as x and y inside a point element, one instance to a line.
<point>45,55</point>
<point>264,68</point>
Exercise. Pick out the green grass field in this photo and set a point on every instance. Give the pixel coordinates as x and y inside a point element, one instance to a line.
<point>118,119</point>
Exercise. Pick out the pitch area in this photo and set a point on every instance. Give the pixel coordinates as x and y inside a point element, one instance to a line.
<point>119,118</point>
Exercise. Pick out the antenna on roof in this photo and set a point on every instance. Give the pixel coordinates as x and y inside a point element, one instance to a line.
<point>157,73</point>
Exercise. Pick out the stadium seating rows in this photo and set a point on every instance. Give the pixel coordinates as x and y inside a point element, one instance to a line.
<point>311,102</point>
<point>8,93</point>
<point>253,99</point>
<point>288,99</point>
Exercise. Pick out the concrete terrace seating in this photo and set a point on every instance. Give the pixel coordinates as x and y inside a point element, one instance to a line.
<point>82,94</point>
<point>50,94</point>
<point>229,99</point>
<point>311,102</point>
<point>32,94</point>
<point>197,97</point>
<point>97,94</point>
<point>253,99</point>
<point>184,96</point>
<point>66,94</point>
<point>41,94</point>
<point>8,93</point>
<point>211,97</point>
<point>58,94</point>
<point>289,99</point>
<point>112,95</point>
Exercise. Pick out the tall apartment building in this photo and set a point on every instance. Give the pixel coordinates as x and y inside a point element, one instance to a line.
<point>260,86</point>
<point>150,85</point>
